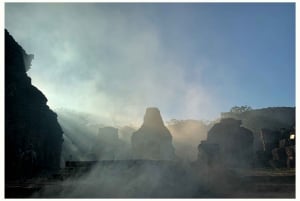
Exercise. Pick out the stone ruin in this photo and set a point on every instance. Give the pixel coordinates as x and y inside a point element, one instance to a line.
<point>269,139</point>
<point>153,140</point>
<point>228,144</point>
<point>209,154</point>
<point>107,145</point>
<point>278,147</point>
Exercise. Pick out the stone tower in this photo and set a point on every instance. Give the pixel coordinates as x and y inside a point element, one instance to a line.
<point>153,140</point>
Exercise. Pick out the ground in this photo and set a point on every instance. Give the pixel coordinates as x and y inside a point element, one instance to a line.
<point>192,181</point>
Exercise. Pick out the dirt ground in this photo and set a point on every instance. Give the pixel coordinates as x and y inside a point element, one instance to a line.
<point>267,183</point>
<point>234,183</point>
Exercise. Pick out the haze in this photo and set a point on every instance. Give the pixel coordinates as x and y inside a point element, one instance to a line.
<point>192,61</point>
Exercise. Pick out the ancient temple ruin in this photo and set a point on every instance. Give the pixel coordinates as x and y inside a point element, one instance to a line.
<point>209,154</point>
<point>153,140</point>
<point>230,142</point>
<point>279,147</point>
<point>108,146</point>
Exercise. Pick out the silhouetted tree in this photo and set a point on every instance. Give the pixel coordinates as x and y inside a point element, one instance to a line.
<point>240,109</point>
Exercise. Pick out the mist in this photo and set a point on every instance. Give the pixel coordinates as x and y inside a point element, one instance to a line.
<point>187,134</point>
<point>111,61</point>
<point>107,66</point>
<point>81,132</point>
<point>100,66</point>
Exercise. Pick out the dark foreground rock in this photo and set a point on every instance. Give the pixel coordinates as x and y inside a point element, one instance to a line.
<point>33,137</point>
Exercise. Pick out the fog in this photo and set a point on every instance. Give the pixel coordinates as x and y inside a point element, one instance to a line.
<point>81,134</point>
<point>101,65</point>
<point>143,179</point>
<point>110,60</point>
<point>187,135</point>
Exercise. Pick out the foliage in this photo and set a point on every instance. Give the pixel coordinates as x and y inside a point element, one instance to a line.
<point>240,109</point>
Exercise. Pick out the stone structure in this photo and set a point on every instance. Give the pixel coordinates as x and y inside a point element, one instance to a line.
<point>273,118</point>
<point>209,154</point>
<point>235,142</point>
<point>153,140</point>
<point>283,149</point>
<point>32,132</point>
<point>105,145</point>
<point>269,139</point>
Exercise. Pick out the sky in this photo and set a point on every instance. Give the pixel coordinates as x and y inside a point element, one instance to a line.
<point>191,60</point>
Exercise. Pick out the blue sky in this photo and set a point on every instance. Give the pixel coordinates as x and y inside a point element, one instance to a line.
<point>255,43</point>
<point>190,60</point>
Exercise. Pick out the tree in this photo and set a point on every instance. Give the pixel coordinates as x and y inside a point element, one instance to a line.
<point>241,109</point>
